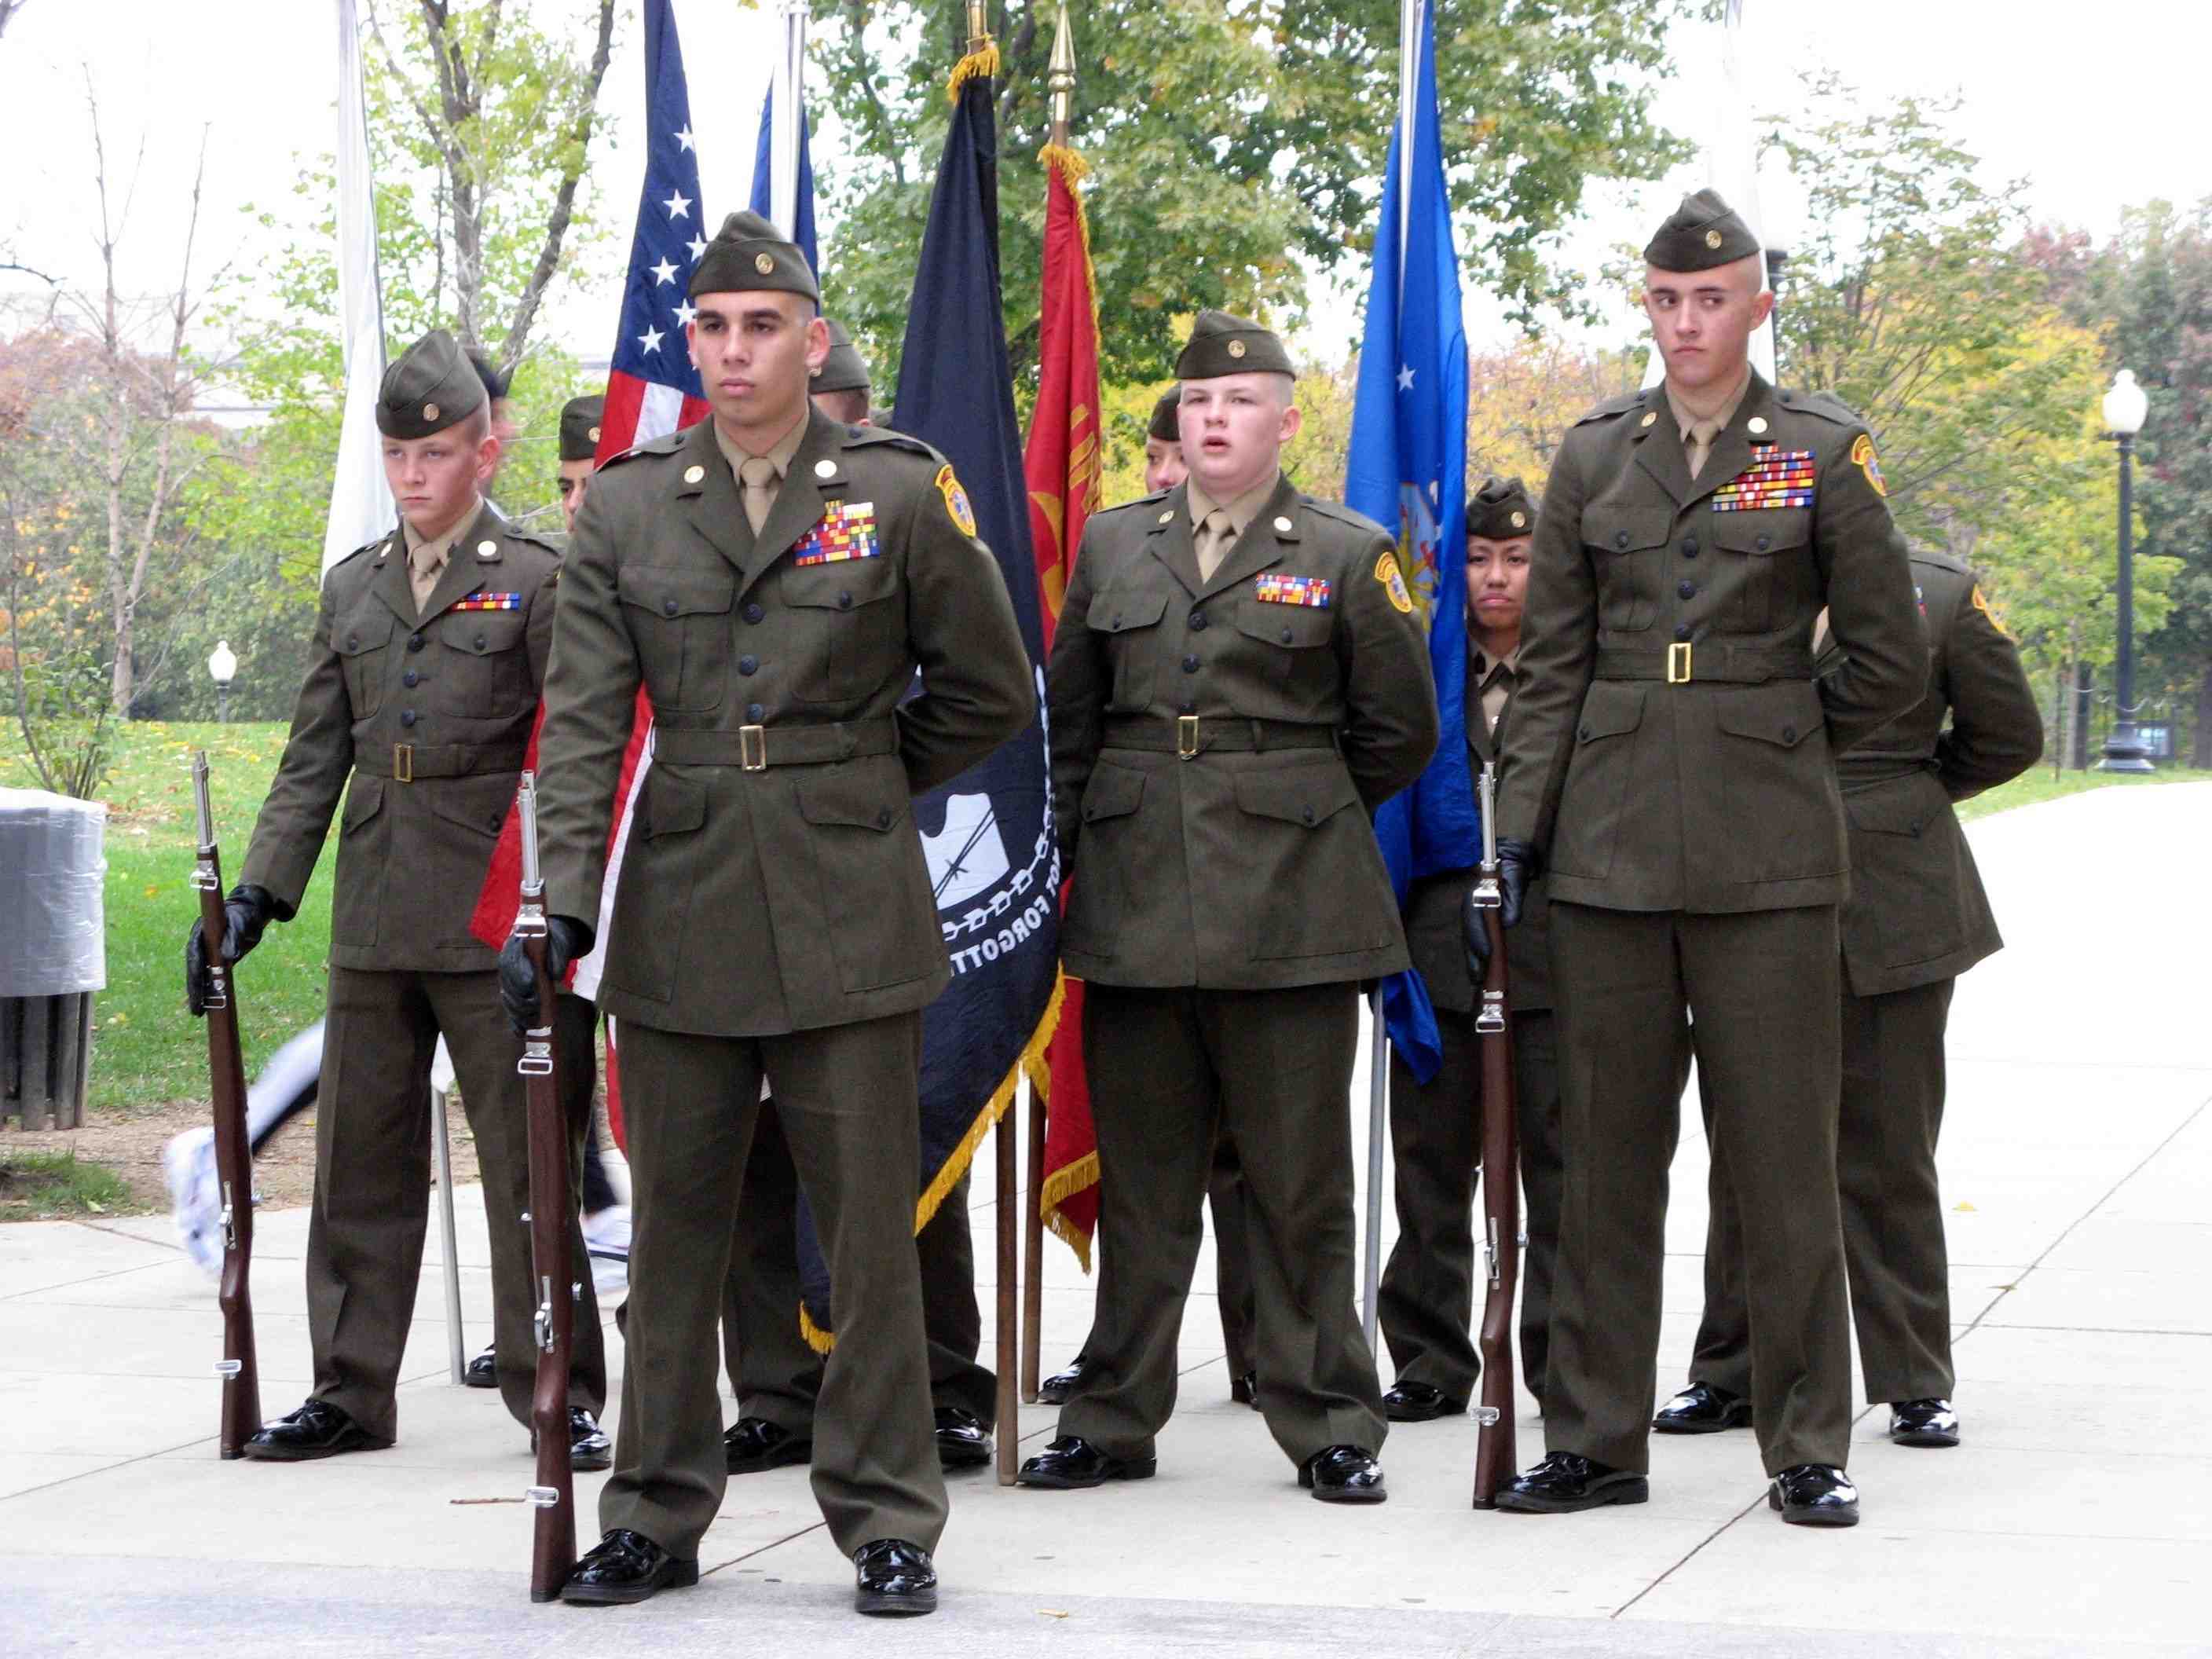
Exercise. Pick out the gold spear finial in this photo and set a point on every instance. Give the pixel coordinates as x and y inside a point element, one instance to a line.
<point>1059,78</point>
<point>979,26</point>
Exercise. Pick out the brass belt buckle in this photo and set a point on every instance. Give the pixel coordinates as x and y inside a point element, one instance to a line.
<point>752,748</point>
<point>1678,663</point>
<point>402,762</point>
<point>1186,737</point>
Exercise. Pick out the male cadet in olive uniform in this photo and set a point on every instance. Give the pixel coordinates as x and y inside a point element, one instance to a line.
<point>1917,918</point>
<point>772,578</point>
<point>1427,1300</point>
<point>1236,682</point>
<point>579,442</point>
<point>775,1375</point>
<point>1671,762</point>
<point>427,661</point>
<point>1224,1187</point>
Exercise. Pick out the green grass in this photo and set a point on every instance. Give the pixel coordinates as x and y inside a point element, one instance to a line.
<point>2038,783</point>
<point>146,1049</point>
<point>36,1185</point>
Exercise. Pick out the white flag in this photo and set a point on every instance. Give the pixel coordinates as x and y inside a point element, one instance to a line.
<point>360,502</point>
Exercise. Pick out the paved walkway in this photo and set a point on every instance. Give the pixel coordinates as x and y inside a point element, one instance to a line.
<point>2077,1519</point>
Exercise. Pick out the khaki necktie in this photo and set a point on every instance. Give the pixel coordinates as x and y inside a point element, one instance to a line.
<point>1699,448</point>
<point>758,475</point>
<point>1215,538</point>
<point>424,566</point>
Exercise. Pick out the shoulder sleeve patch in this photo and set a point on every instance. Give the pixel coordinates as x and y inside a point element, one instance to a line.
<point>1394,583</point>
<point>956,501</point>
<point>1980,602</point>
<point>1862,458</point>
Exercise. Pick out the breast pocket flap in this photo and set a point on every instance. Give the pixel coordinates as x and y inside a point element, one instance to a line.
<point>842,585</point>
<point>1771,531</point>
<point>367,632</point>
<point>1627,529</point>
<point>1117,613</point>
<point>672,593</point>
<point>483,634</point>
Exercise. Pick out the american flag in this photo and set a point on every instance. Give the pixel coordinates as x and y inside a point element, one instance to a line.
<point>652,390</point>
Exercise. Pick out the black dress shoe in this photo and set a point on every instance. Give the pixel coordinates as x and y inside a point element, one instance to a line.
<point>1565,1482</point>
<point>317,1429</point>
<point>1244,1389</point>
<point>1702,1409</point>
<point>893,1579</point>
<point>1055,1389</point>
<point>1814,1495</point>
<point>589,1449</point>
<point>1343,1474</point>
<point>482,1371</point>
<point>1418,1403</point>
<point>626,1566</point>
<point>753,1444</point>
<point>1072,1461</point>
<point>962,1441</point>
<point>1924,1423</point>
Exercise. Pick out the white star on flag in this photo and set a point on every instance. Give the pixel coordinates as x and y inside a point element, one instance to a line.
<point>664,272</point>
<point>650,340</point>
<point>678,205</point>
<point>698,246</point>
<point>683,139</point>
<point>1405,377</point>
<point>684,313</point>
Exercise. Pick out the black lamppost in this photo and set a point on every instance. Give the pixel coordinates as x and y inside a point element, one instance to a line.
<point>223,668</point>
<point>2125,407</point>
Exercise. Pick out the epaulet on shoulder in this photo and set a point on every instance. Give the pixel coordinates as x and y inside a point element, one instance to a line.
<point>1343,514</point>
<point>666,444</point>
<point>1153,500</point>
<point>1939,560</point>
<point>1611,407</point>
<point>531,538</point>
<point>366,547</point>
<point>1825,404</point>
<point>865,437</point>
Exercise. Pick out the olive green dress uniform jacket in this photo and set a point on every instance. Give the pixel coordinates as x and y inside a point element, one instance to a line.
<point>1251,868</point>
<point>790,898</point>
<point>445,699</point>
<point>1719,795</point>
<point>1918,912</point>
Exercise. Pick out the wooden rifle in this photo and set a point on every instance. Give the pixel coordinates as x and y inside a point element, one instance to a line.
<point>1494,1458</point>
<point>234,1157</point>
<point>553,1544</point>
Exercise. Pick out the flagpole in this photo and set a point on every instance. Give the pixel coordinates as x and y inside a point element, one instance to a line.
<point>790,114</point>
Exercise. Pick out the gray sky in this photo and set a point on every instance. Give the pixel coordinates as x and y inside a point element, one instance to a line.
<point>2096,107</point>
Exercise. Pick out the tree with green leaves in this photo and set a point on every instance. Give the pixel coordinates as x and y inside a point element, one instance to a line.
<point>1232,149</point>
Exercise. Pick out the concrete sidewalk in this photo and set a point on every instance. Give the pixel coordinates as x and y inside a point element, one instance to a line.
<point>2077,1519</point>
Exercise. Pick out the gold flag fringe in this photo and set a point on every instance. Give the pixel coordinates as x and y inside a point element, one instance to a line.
<point>984,62</point>
<point>1032,1062</point>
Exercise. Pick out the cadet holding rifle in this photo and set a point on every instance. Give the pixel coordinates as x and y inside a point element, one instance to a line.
<point>421,688</point>
<point>211,994</point>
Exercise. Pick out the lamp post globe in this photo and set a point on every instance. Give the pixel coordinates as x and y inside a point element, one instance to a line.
<point>2126,407</point>
<point>223,668</point>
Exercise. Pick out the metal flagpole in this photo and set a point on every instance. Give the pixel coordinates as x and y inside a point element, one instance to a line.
<point>790,114</point>
<point>1378,1043</point>
<point>441,1152</point>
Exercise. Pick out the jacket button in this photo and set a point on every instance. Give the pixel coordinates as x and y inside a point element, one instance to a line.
<point>754,713</point>
<point>1583,734</point>
<point>1286,636</point>
<point>1621,540</point>
<point>844,601</point>
<point>414,642</point>
<point>407,717</point>
<point>1689,547</point>
<point>1116,623</point>
<point>353,641</point>
<point>1788,735</point>
<point>1686,590</point>
<point>1763,543</point>
<point>1682,635</point>
<point>749,664</point>
<point>752,613</point>
<point>1197,621</point>
<point>668,607</point>
<point>410,679</point>
<point>480,641</point>
<point>1305,815</point>
<point>883,818</point>
<point>1188,705</point>
<point>1190,665</point>
<point>1090,813</point>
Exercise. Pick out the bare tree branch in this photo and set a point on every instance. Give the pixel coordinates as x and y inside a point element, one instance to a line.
<point>564,199</point>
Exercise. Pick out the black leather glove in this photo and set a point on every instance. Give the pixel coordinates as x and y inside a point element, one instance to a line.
<point>245,914</point>
<point>1516,868</point>
<point>566,938</point>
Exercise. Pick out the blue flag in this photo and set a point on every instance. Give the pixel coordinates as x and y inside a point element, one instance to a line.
<point>1408,468</point>
<point>802,231</point>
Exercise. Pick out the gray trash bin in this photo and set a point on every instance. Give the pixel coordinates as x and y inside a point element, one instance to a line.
<point>53,953</point>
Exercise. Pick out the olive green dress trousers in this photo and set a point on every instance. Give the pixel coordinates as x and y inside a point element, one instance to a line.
<point>846,1098</point>
<point>1170,1070</point>
<point>1892,1210</point>
<point>773,1373</point>
<point>372,1202</point>
<point>1761,991</point>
